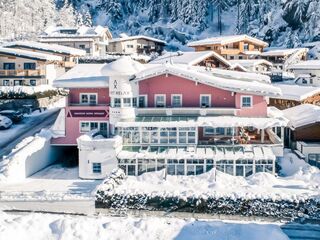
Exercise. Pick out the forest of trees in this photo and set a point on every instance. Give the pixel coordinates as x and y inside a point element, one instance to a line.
<point>285,22</point>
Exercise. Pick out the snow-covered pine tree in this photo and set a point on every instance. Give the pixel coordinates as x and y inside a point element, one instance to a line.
<point>220,5</point>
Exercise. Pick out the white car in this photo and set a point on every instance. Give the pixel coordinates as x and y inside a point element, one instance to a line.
<point>5,122</point>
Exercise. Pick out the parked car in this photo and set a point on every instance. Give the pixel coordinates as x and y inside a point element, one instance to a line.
<point>15,116</point>
<point>5,122</point>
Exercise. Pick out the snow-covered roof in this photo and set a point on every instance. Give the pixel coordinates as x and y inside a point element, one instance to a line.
<point>291,91</point>
<point>74,32</point>
<point>128,38</point>
<point>189,58</point>
<point>226,40</point>
<point>125,65</point>
<point>281,52</point>
<point>217,121</point>
<point>224,79</point>
<point>29,54</point>
<point>83,76</point>
<point>250,62</point>
<point>54,48</point>
<point>49,40</point>
<point>310,64</point>
<point>302,115</point>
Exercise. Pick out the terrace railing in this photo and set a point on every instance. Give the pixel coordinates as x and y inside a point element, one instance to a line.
<point>30,73</point>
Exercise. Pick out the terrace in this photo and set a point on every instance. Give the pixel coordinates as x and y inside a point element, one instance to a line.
<point>24,73</point>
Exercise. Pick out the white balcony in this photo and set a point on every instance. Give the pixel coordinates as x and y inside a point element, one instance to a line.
<point>186,111</point>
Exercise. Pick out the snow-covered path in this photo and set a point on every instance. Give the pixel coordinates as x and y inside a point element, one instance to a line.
<point>49,226</point>
<point>54,189</point>
<point>28,127</point>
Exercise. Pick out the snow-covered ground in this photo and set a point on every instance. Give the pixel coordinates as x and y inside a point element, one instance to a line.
<point>47,226</point>
<point>54,183</point>
<point>302,182</point>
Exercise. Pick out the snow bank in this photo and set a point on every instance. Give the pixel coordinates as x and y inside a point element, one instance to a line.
<point>29,156</point>
<point>291,163</point>
<point>26,89</point>
<point>305,184</point>
<point>49,226</point>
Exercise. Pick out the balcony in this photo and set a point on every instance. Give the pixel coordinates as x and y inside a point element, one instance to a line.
<point>196,111</point>
<point>68,64</point>
<point>25,73</point>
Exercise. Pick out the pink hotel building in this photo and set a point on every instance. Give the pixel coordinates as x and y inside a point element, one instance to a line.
<point>186,119</point>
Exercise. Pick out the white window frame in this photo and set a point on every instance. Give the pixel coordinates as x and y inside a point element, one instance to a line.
<point>3,81</point>
<point>124,104</point>
<point>214,133</point>
<point>155,100</point>
<point>251,101</point>
<point>99,122</point>
<point>88,95</point>
<point>205,95</point>
<point>145,100</point>
<point>176,95</point>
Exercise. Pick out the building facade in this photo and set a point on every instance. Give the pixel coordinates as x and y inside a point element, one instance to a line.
<point>235,47</point>
<point>27,68</point>
<point>135,45</point>
<point>93,40</point>
<point>184,119</point>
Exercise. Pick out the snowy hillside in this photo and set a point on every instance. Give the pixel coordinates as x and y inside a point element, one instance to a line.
<point>280,22</point>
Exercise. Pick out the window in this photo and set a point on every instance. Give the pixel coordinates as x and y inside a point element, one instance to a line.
<point>88,98</point>
<point>9,66</point>
<point>117,102</point>
<point>142,101</point>
<point>89,126</point>
<point>96,167</point>
<point>82,46</point>
<point>246,46</point>
<point>176,100</point>
<point>127,102</point>
<point>6,82</point>
<point>240,57</point>
<point>29,66</point>
<point>17,83</point>
<point>246,101</point>
<point>160,100</point>
<point>134,102</point>
<point>33,82</point>
<point>231,57</point>
<point>129,46</point>
<point>209,131</point>
<point>205,101</point>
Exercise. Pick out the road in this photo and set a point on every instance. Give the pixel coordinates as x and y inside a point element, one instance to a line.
<point>30,126</point>
<point>302,231</point>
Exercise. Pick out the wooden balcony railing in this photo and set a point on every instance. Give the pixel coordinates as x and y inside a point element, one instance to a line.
<point>22,73</point>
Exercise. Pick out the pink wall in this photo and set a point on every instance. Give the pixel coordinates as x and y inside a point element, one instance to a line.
<point>73,123</point>
<point>189,90</point>
<point>258,109</point>
<point>103,94</point>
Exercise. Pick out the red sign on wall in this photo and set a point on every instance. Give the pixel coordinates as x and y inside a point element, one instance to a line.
<point>88,113</point>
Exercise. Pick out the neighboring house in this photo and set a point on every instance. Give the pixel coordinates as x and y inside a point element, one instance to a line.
<point>69,55</point>
<point>303,132</point>
<point>93,40</point>
<point>186,119</point>
<point>135,45</point>
<point>283,58</point>
<point>293,95</point>
<point>205,58</point>
<point>307,72</point>
<point>231,47</point>
<point>254,65</point>
<point>20,67</point>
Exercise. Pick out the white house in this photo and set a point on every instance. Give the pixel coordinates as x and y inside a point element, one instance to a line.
<point>307,72</point>
<point>254,65</point>
<point>91,39</point>
<point>139,44</point>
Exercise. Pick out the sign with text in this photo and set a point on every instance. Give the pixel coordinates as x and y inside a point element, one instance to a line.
<point>88,113</point>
